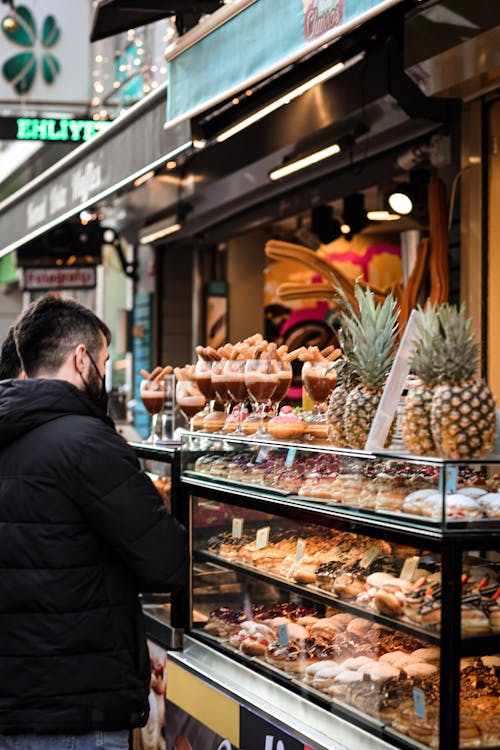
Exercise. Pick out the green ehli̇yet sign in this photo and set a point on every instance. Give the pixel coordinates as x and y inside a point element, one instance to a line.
<point>49,129</point>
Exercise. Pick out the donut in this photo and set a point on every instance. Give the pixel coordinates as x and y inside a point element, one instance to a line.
<point>286,426</point>
<point>490,504</point>
<point>420,669</point>
<point>389,602</point>
<point>474,621</point>
<point>317,666</point>
<point>379,672</point>
<point>325,676</point>
<point>343,680</point>
<point>413,502</point>
<point>214,422</point>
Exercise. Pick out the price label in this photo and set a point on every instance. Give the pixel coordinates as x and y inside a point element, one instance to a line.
<point>237,528</point>
<point>369,556</point>
<point>262,537</point>
<point>283,634</point>
<point>419,703</point>
<point>262,455</point>
<point>290,457</point>
<point>449,480</point>
<point>409,568</point>
<point>301,548</point>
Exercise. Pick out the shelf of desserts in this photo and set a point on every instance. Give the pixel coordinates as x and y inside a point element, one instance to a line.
<point>398,585</point>
<point>375,484</point>
<point>384,680</point>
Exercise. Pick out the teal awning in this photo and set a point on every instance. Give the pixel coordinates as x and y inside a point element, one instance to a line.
<point>219,58</point>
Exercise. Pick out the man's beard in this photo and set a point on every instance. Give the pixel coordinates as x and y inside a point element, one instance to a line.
<point>96,390</point>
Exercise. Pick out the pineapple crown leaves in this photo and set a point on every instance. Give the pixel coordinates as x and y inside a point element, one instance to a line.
<point>460,351</point>
<point>428,361</point>
<point>370,334</point>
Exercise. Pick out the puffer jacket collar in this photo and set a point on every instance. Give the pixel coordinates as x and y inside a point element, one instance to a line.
<point>27,404</point>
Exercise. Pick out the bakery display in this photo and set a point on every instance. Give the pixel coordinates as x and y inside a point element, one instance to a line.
<point>368,573</point>
<point>386,486</point>
<point>377,671</point>
<point>343,598</point>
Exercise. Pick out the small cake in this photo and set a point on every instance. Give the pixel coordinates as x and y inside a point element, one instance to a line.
<point>286,426</point>
<point>214,422</point>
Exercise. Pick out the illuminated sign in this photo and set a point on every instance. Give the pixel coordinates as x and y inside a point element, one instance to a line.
<point>49,129</point>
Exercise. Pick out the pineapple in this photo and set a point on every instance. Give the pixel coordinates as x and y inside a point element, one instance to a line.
<point>463,412</point>
<point>426,363</point>
<point>345,382</point>
<point>336,407</point>
<point>372,332</point>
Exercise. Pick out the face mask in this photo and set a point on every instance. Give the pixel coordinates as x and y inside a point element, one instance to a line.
<point>96,388</point>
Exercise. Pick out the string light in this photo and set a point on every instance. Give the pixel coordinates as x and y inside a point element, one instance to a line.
<point>135,68</point>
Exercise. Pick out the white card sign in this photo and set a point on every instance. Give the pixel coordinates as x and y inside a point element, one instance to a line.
<point>393,389</point>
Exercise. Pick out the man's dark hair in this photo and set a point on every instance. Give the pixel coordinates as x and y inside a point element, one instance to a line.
<point>50,328</point>
<point>10,364</point>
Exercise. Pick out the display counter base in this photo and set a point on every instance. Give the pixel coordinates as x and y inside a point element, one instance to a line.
<point>302,724</point>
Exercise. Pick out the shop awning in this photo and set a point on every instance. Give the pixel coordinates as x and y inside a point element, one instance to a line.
<point>250,40</point>
<point>115,16</point>
<point>135,143</point>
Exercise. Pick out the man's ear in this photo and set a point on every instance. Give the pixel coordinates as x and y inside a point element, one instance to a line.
<point>79,354</point>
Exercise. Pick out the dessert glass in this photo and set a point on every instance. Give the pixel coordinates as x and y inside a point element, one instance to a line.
<point>319,379</point>
<point>234,370</point>
<point>219,384</point>
<point>261,377</point>
<point>285,375</point>
<point>153,398</point>
<point>189,398</point>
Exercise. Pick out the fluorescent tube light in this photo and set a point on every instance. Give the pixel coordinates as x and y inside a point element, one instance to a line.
<point>382,216</point>
<point>285,99</point>
<point>146,239</point>
<point>305,161</point>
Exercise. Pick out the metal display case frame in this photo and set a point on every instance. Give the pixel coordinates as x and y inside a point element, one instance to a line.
<point>451,541</point>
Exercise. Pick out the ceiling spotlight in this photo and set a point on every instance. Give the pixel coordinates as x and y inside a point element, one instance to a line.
<point>400,202</point>
<point>410,197</point>
<point>324,225</point>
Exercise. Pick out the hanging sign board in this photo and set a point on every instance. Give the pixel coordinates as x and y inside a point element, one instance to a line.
<point>49,279</point>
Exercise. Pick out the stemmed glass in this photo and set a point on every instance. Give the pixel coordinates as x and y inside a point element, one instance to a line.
<point>285,374</point>
<point>261,377</point>
<point>189,399</point>
<point>234,370</point>
<point>203,376</point>
<point>219,383</point>
<point>153,398</point>
<point>319,379</point>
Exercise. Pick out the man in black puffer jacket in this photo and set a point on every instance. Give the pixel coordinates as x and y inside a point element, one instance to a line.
<point>82,531</point>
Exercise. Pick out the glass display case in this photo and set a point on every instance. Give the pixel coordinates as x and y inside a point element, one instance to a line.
<point>368,584</point>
